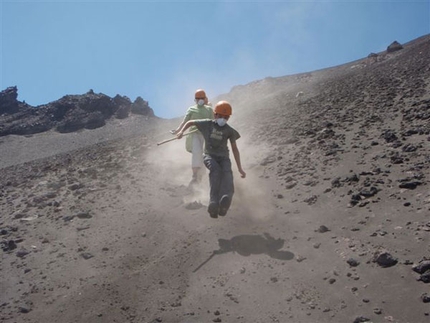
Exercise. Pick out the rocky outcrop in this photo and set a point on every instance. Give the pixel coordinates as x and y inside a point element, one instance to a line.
<point>68,114</point>
<point>394,47</point>
<point>8,101</point>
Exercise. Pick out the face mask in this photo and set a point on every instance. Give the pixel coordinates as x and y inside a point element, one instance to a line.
<point>221,122</point>
<point>201,102</point>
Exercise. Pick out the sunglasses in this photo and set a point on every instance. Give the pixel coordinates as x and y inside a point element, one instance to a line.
<point>200,99</point>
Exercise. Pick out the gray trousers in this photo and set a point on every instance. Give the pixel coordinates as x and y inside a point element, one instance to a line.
<point>220,177</point>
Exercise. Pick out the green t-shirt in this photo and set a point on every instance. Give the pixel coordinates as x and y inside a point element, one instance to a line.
<point>216,137</point>
<point>196,112</point>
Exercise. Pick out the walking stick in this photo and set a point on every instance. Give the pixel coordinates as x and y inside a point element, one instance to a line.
<point>174,138</point>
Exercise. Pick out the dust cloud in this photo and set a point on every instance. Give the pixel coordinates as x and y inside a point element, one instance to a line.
<point>174,163</point>
<point>172,159</point>
<point>251,198</point>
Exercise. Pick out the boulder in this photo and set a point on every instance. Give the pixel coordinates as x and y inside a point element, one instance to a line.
<point>394,47</point>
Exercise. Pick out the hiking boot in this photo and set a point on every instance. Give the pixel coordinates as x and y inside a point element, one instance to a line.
<point>224,205</point>
<point>213,210</point>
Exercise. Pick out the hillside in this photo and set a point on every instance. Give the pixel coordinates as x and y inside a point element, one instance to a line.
<point>331,224</point>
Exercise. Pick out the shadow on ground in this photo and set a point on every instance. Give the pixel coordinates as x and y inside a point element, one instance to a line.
<point>246,245</point>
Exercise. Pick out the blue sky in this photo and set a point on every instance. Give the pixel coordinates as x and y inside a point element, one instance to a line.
<point>164,50</point>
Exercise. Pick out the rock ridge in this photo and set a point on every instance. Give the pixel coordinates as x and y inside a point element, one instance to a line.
<point>68,114</point>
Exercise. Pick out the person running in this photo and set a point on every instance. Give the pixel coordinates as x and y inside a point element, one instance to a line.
<point>194,142</point>
<point>216,158</point>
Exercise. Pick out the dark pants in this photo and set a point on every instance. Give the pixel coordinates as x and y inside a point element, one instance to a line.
<point>220,177</point>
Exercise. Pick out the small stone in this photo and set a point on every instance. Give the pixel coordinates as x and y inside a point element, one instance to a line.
<point>84,215</point>
<point>8,245</point>
<point>361,319</point>
<point>24,310</point>
<point>422,267</point>
<point>22,253</point>
<point>377,311</point>
<point>86,255</point>
<point>425,298</point>
<point>385,259</point>
<point>352,262</point>
<point>322,229</point>
<point>68,218</point>
<point>300,258</point>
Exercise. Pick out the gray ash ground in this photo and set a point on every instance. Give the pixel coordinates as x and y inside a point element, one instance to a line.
<point>332,223</point>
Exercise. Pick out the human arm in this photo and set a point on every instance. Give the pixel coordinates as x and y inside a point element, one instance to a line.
<point>175,131</point>
<point>184,127</point>
<point>236,155</point>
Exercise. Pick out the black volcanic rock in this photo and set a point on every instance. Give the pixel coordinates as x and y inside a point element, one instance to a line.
<point>124,106</point>
<point>384,259</point>
<point>79,119</point>
<point>141,106</point>
<point>8,101</point>
<point>394,46</point>
<point>75,112</point>
<point>68,114</point>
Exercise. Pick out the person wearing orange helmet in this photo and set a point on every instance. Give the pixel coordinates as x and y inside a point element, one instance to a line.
<point>216,134</point>
<point>194,142</point>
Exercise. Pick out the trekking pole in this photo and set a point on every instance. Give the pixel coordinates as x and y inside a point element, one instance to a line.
<point>174,138</point>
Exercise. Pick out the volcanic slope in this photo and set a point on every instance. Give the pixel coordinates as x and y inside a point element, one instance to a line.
<point>331,224</point>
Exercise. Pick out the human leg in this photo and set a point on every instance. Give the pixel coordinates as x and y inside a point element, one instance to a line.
<point>214,182</point>
<point>197,156</point>
<point>226,190</point>
<point>226,183</point>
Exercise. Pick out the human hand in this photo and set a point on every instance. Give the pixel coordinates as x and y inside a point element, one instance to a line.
<point>242,173</point>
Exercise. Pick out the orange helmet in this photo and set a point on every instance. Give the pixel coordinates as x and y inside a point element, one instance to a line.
<point>223,108</point>
<point>200,94</point>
